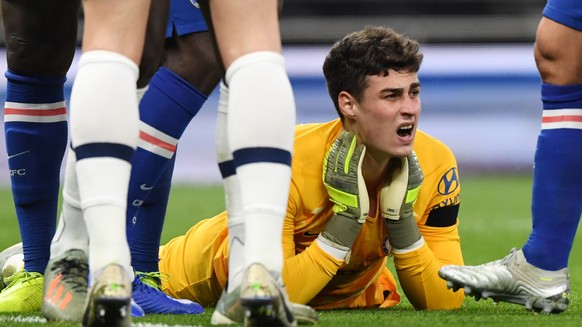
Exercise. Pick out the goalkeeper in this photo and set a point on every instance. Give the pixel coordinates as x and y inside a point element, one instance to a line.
<point>358,199</point>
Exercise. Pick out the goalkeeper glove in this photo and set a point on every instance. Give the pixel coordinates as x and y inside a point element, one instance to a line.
<point>397,199</point>
<point>342,177</point>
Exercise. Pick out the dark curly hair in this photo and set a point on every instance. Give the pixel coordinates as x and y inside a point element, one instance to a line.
<point>369,52</point>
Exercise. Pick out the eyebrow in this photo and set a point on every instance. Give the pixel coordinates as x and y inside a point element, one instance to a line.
<point>400,89</point>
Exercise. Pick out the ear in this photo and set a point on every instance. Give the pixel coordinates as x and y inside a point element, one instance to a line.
<point>347,104</point>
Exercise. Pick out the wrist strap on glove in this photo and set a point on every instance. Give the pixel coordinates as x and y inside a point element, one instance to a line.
<point>402,233</point>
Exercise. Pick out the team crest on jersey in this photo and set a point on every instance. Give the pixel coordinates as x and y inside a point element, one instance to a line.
<point>449,182</point>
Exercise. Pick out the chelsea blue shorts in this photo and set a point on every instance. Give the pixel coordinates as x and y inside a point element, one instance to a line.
<point>185,18</point>
<point>565,12</point>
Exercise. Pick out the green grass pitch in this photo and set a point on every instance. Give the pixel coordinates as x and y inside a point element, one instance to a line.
<point>495,217</point>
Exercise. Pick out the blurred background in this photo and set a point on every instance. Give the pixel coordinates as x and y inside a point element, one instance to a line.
<point>480,88</point>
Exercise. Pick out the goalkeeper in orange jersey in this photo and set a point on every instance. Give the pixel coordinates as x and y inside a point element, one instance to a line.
<point>357,197</point>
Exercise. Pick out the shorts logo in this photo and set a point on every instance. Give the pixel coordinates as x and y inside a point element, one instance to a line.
<point>449,182</point>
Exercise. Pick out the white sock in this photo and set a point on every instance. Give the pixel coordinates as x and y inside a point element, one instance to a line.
<point>71,231</point>
<point>236,232</point>
<point>104,113</point>
<point>261,113</point>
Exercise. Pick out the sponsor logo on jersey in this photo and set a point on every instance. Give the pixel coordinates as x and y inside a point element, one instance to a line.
<point>451,201</point>
<point>449,182</point>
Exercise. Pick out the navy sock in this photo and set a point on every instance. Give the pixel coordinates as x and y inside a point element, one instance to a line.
<point>145,240</point>
<point>165,111</point>
<point>35,125</point>
<point>557,184</point>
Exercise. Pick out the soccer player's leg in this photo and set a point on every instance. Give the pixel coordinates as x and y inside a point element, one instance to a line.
<point>262,162</point>
<point>35,123</point>
<point>537,276</point>
<point>104,134</point>
<point>36,135</point>
<point>66,274</point>
<point>228,309</point>
<point>557,185</point>
<point>174,96</point>
<point>103,195</point>
<point>258,87</point>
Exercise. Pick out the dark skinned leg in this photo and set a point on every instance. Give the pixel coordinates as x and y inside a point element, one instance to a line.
<point>41,40</point>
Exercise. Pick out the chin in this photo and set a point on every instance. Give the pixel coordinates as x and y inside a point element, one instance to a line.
<point>401,151</point>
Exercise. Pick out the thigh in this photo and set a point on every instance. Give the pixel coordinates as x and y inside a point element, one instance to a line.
<point>117,26</point>
<point>190,48</point>
<point>154,41</point>
<point>557,53</point>
<point>196,262</point>
<point>185,18</point>
<point>240,30</point>
<point>41,36</point>
<point>193,57</point>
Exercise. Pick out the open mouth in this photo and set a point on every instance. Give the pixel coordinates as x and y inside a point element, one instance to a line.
<point>405,130</point>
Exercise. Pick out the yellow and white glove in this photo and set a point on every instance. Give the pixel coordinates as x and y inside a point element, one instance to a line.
<point>397,199</point>
<point>342,177</point>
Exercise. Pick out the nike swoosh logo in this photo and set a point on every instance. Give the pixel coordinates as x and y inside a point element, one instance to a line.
<point>144,187</point>
<point>308,234</point>
<point>18,154</point>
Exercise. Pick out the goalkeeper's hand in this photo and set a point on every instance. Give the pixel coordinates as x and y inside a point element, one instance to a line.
<point>342,177</point>
<point>397,199</point>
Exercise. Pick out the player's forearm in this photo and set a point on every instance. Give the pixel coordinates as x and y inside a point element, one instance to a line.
<point>307,273</point>
<point>418,275</point>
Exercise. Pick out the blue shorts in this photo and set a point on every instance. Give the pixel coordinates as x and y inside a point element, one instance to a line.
<point>185,18</point>
<point>565,12</point>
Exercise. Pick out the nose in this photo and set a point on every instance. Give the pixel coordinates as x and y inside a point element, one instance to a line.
<point>411,106</point>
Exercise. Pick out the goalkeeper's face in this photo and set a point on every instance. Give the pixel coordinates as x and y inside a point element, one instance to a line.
<point>386,117</point>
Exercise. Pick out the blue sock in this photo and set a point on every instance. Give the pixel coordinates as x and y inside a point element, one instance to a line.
<point>145,240</point>
<point>557,181</point>
<point>35,125</point>
<point>166,109</point>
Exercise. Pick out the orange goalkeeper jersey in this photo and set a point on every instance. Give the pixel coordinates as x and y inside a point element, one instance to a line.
<point>197,262</point>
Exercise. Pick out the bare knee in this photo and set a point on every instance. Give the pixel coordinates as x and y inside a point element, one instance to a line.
<point>41,36</point>
<point>193,58</point>
<point>28,56</point>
